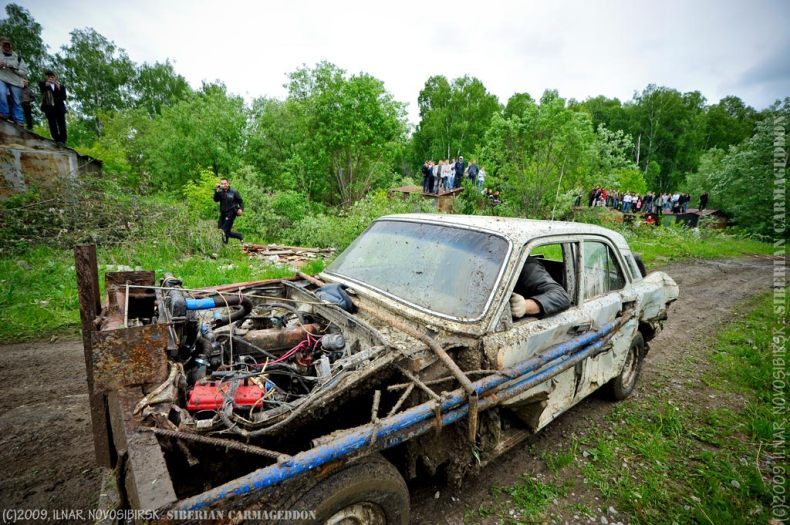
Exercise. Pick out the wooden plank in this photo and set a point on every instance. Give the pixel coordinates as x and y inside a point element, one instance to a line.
<point>146,478</point>
<point>90,305</point>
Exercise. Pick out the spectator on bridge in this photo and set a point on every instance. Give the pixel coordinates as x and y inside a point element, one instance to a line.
<point>703,201</point>
<point>686,200</point>
<point>626,203</point>
<point>53,104</point>
<point>13,78</point>
<point>473,171</point>
<point>427,177</point>
<point>460,167</point>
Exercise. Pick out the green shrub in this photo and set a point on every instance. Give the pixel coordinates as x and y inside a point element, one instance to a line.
<point>339,230</point>
<point>199,195</point>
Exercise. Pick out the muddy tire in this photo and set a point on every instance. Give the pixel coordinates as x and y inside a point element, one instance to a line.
<point>640,264</point>
<point>370,492</point>
<point>621,386</point>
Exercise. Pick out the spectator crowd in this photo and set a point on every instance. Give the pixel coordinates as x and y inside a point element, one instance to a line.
<point>446,175</point>
<point>650,202</point>
<point>16,97</point>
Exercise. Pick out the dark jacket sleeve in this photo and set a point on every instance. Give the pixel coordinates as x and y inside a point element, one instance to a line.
<point>535,283</point>
<point>237,199</point>
<point>217,196</point>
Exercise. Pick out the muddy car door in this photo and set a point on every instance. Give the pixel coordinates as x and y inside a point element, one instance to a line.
<point>605,290</point>
<point>514,341</point>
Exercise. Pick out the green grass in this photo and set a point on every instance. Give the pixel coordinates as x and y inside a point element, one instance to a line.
<point>38,289</point>
<point>557,461</point>
<point>532,496</point>
<point>667,243</point>
<point>668,460</point>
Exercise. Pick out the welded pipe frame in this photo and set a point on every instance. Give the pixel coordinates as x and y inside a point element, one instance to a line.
<point>416,420</point>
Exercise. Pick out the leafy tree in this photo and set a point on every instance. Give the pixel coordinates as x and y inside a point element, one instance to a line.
<point>742,181</point>
<point>518,103</point>
<point>616,169</point>
<point>607,111</point>
<point>353,128</point>
<point>705,178</point>
<point>158,85</point>
<point>21,28</point>
<point>669,127</point>
<point>453,117</point>
<point>98,75</point>
<point>729,123</point>
<point>614,150</point>
<point>277,140</point>
<point>204,132</point>
<point>547,150</point>
<point>432,138</point>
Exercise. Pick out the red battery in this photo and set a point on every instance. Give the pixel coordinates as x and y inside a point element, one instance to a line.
<point>211,395</point>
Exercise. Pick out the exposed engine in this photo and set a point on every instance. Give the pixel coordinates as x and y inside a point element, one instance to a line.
<point>251,359</point>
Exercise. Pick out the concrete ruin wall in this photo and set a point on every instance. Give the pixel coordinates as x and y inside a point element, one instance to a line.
<point>28,160</point>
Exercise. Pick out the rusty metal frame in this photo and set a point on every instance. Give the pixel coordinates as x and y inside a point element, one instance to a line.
<point>120,363</point>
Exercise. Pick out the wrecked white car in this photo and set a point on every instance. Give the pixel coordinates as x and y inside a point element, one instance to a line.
<point>322,395</point>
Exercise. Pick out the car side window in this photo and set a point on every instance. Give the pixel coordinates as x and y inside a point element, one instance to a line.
<point>602,273</point>
<point>558,260</point>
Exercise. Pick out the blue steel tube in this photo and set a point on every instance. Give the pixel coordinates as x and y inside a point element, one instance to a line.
<point>414,421</point>
<point>519,387</point>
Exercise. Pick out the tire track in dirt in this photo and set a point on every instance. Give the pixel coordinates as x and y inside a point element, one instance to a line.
<point>47,452</point>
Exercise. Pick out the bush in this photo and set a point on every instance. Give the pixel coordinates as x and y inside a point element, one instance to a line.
<point>324,230</point>
<point>91,209</point>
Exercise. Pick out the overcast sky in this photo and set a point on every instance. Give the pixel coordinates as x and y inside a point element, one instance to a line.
<point>581,48</point>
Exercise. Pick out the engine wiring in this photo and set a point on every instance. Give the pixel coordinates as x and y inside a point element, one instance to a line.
<point>248,386</point>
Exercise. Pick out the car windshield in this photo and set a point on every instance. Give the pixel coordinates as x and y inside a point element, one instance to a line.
<point>451,271</point>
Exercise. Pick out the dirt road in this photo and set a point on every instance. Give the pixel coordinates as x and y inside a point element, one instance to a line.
<point>46,451</point>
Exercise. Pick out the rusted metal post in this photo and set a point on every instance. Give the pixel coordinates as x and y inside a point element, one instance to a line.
<point>90,305</point>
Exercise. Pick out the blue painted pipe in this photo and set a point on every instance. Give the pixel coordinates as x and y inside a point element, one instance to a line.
<point>416,417</point>
<point>219,301</point>
<point>206,303</point>
<point>519,387</point>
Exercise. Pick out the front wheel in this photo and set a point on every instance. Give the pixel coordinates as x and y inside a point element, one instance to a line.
<point>621,386</point>
<point>370,492</point>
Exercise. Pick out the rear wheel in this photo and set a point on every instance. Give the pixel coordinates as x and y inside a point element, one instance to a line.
<point>371,492</point>
<point>640,264</point>
<point>621,386</point>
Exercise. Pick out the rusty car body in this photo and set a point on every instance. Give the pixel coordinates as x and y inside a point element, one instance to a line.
<point>401,359</point>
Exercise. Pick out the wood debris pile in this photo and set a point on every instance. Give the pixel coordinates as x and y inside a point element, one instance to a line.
<point>296,256</point>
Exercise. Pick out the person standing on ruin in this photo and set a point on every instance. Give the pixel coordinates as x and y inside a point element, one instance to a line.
<point>13,78</point>
<point>53,104</point>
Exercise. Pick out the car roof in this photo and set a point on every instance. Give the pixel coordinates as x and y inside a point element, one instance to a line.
<point>519,231</point>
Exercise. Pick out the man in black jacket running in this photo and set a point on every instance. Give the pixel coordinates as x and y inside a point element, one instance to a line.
<point>230,206</point>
